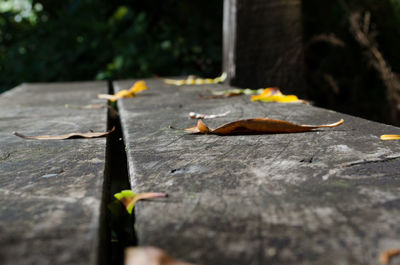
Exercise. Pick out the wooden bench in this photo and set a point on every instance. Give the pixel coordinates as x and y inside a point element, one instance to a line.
<point>51,191</point>
<point>328,196</point>
<point>324,197</point>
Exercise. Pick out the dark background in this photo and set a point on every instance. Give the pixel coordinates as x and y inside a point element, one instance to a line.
<point>342,74</point>
<point>101,39</point>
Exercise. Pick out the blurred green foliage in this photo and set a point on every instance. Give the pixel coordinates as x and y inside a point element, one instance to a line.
<point>47,40</point>
<point>341,77</point>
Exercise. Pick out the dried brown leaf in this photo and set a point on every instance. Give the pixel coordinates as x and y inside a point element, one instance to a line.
<point>90,106</point>
<point>385,256</point>
<point>150,256</point>
<point>258,125</point>
<point>66,136</point>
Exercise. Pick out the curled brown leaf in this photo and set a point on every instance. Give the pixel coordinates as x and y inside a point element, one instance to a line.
<point>66,136</point>
<point>258,125</point>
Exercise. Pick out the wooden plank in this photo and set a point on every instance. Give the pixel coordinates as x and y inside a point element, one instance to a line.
<point>324,197</point>
<point>262,44</point>
<point>50,191</point>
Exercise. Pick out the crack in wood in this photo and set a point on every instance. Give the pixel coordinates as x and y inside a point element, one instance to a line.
<point>307,160</point>
<point>387,159</point>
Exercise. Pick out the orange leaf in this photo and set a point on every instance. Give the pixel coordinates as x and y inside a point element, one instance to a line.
<point>257,125</point>
<point>149,256</point>
<point>66,136</point>
<point>385,256</point>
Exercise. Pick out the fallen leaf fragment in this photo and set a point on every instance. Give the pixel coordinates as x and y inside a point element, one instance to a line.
<point>258,125</point>
<point>129,198</point>
<point>234,92</point>
<point>385,256</point>
<point>137,87</point>
<point>66,136</point>
<point>194,115</point>
<point>191,80</point>
<point>228,92</point>
<point>90,106</point>
<point>390,137</point>
<point>150,256</point>
<point>273,94</point>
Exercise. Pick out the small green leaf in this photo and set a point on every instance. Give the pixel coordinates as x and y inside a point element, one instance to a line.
<point>129,198</point>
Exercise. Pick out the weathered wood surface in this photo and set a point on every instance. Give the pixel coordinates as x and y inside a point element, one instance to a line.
<point>50,191</point>
<point>325,197</point>
<point>262,43</point>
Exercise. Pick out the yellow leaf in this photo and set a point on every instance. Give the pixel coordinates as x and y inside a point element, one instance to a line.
<point>390,137</point>
<point>273,94</point>
<point>124,94</point>
<point>196,81</point>
<point>137,87</point>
